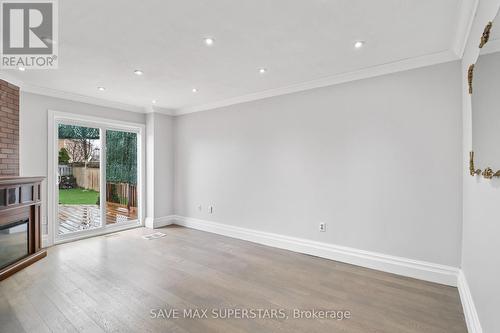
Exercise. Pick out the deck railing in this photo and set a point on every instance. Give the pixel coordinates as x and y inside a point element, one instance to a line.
<point>122,193</point>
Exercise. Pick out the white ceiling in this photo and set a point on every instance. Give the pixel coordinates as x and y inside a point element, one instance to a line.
<point>302,43</point>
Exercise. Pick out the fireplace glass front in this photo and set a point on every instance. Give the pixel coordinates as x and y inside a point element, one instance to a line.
<point>13,242</point>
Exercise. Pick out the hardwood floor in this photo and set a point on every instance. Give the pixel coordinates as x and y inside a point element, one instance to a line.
<point>114,283</point>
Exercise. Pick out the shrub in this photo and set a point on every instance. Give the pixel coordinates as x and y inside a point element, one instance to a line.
<point>63,156</point>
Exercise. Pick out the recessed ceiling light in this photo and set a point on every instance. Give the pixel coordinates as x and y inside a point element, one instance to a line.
<point>101,88</point>
<point>194,90</point>
<point>22,69</point>
<point>209,41</point>
<point>262,70</point>
<point>359,44</point>
<point>153,101</point>
<point>138,72</point>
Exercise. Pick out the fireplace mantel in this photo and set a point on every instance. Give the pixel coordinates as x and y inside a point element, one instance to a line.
<point>20,200</point>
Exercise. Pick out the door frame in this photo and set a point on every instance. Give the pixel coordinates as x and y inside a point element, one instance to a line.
<point>54,118</point>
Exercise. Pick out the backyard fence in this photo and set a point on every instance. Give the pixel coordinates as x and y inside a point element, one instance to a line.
<point>89,178</point>
<point>65,170</point>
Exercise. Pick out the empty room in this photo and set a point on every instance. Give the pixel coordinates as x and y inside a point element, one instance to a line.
<point>250,166</point>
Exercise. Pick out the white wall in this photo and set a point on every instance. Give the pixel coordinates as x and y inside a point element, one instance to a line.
<point>160,167</point>
<point>33,118</point>
<point>481,222</point>
<point>378,160</point>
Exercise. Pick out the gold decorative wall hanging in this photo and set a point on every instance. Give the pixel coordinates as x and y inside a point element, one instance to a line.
<point>486,35</point>
<point>487,173</point>
<point>470,77</point>
<point>472,170</point>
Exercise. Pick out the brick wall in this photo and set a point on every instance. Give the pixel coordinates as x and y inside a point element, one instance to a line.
<point>9,129</point>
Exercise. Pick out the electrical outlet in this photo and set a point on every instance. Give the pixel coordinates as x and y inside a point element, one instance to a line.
<point>322,227</point>
<point>210,209</point>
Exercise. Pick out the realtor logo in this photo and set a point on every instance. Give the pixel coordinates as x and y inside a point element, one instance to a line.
<point>29,34</point>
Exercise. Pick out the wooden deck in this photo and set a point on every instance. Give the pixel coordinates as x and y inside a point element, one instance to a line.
<point>83,217</point>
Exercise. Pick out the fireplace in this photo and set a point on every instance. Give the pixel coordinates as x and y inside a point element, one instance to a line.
<point>20,215</point>
<point>14,240</point>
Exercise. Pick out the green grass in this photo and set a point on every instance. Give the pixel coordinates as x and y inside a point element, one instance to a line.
<point>78,196</point>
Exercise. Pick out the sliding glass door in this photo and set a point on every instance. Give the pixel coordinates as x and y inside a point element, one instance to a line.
<point>121,176</point>
<point>97,185</point>
<point>79,178</point>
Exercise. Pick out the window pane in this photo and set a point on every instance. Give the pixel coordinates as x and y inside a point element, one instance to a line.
<point>79,150</point>
<point>121,176</point>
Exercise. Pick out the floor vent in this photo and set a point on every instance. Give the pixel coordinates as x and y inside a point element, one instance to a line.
<point>154,236</point>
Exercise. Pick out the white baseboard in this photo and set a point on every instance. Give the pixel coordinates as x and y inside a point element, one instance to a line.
<point>158,222</point>
<point>402,266</point>
<point>470,312</point>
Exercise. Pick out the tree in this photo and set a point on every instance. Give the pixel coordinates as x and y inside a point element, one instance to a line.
<point>80,141</point>
<point>63,156</point>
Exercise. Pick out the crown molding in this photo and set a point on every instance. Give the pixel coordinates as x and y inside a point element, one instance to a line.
<point>34,89</point>
<point>378,70</point>
<point>80,98</point>
<point>466,13</point>
<point>156,109</point>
